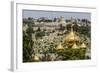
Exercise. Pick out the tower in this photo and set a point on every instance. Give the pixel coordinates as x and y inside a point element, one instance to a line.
<point>62,20</point>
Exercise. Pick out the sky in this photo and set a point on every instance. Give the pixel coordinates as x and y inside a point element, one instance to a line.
<point>52,14</point>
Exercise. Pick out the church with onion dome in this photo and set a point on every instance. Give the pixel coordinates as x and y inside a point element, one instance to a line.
<point>73,42</point>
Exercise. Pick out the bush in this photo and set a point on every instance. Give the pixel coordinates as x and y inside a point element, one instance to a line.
<point>72,54</point>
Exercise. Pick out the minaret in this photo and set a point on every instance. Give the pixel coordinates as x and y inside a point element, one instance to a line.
<point>62,20</point>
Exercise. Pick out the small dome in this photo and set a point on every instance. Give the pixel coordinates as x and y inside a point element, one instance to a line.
<point>66,46</point>
<point>59,47</point>
<point>72,37</point>
<point>36,58</point>
<point>83,45</point>
<point>75,46</point>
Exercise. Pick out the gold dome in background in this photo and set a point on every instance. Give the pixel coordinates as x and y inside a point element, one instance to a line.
<point>71,37</point>
<point>83,45</point>
<point>75,46</point>
<point>36,58</point>
<point>60,47</point>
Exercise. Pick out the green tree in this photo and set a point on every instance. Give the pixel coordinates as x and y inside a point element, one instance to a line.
<point>27,41</point>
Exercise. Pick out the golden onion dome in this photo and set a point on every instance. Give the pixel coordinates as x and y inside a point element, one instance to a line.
<point>36,58</point>
<point>59,47</point>
<point>75,46</point>
<point>83,45</point>
<point>72,37</point>
<point>66,46</point>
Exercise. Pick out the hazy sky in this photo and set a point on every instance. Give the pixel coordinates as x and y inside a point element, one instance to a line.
<point>53,14</point>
